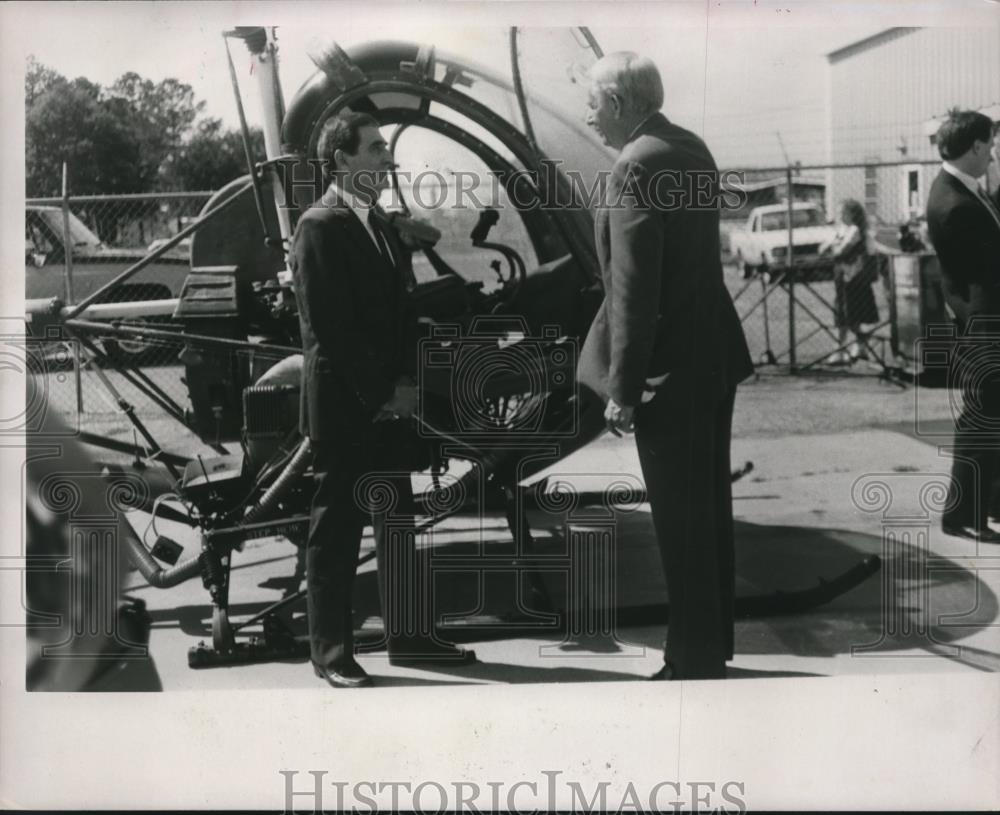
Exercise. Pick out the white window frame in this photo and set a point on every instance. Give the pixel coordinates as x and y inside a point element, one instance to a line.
<point>871,201</point>
<point>909,209</point>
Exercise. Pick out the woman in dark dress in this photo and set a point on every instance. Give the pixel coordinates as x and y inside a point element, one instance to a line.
<point>854,276</point>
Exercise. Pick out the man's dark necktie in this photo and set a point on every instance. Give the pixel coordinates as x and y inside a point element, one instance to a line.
<point>988,203</point>
<point>380,242</point>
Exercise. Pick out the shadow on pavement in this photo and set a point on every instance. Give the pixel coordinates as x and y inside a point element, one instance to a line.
<point>914,602</point>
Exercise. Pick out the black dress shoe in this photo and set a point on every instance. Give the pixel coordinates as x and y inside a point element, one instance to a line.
<point>351,675</point>
<point>984,535</point>
<point>420,652</point>
<point>665,674</point>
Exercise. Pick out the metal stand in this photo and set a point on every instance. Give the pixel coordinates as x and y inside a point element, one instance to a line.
<point>767,357</point>
<point>887,372</point>
<point>786,280</point>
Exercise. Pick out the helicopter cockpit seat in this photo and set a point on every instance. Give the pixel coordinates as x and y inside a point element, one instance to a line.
<point>556,293</point>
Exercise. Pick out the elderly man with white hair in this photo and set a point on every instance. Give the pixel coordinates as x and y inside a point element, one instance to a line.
<point>666,350</point>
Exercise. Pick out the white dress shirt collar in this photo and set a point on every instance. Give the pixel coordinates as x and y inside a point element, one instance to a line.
<point>971,184</point>
<point>357,206</point>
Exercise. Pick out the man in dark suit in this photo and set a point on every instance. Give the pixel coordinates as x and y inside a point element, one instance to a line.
<point>666,351</point>
<point>964,226</point>
<point>357,399</point>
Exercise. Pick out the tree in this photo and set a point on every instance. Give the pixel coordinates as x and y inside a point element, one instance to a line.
<point>162,114</point>
<point>212,157</point>
<point>114,139</point>
<point>134,136</point>
<point>37,79</point>
<point>67,122</point>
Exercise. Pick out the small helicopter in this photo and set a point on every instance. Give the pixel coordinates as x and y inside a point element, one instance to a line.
<point>501,318</point>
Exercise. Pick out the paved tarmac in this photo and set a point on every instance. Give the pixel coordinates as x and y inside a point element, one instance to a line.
<point>814,506</point>
<point>881,693</point>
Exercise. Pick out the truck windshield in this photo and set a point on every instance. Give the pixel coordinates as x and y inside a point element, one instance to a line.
<point>800,217</point>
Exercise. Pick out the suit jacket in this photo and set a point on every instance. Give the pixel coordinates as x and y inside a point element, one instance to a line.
<point>967,241</point>
<point>666,307</point>
<point>354,319</point>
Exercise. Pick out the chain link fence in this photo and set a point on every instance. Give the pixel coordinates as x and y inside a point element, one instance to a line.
<point>843,304</point>
<point>857,286</point>
<point>73,247</point>
<point>128,221</point>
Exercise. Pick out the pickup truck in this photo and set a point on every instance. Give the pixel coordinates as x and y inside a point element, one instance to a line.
<point>763,242</point>
<point>94,264</point>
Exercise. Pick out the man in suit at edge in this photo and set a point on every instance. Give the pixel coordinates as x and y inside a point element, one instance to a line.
<point>355,394</point>
<point>666,351</point>
<point>992,178</point>
<point>995,164</point>
<point>964,227</point>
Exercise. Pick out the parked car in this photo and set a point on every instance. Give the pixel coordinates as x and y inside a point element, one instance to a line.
<point>763,241</point>
<point>94,265</point>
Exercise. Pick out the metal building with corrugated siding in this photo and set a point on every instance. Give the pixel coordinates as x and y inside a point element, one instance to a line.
<point>885,93</point>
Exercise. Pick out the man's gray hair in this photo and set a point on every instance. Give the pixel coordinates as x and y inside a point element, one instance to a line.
<point>635,79</point>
